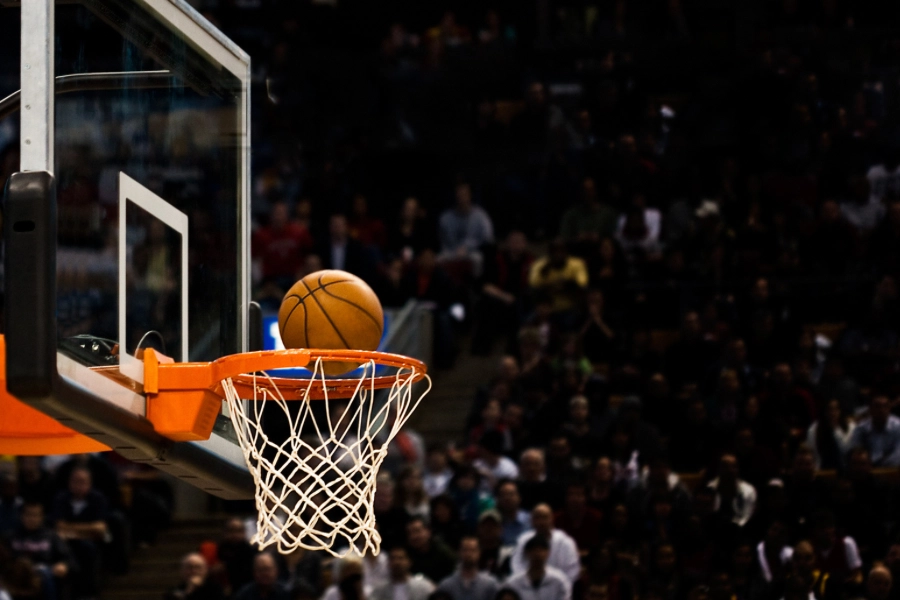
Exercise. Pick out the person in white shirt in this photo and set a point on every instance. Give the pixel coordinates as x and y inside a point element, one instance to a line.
<point>652,218</point>
<point>863,210</point>
<point>563,550</point>
<point>830,438</point>
<point>772,553</point>
<point>883,179</point>
<point>734,496</point>
<point>540,581</point>
<point>437,472</point>
<point>491,463</point>
<point>402,586</point>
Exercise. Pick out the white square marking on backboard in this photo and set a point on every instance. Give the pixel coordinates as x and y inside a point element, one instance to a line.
<point>132,191</point>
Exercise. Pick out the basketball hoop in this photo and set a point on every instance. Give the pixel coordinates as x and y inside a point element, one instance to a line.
<point>315,489</point>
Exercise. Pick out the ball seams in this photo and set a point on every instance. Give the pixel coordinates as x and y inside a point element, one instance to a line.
<point>327,316</point>
<point>358,307</point>
<point>300,298</point>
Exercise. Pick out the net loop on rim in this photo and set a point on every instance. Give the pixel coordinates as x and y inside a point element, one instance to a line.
<point>315,488</point>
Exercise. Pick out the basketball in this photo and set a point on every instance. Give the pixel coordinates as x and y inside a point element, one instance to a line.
<point>331,310</point>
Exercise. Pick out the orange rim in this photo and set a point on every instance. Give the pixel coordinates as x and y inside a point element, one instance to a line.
<point>162,375</point>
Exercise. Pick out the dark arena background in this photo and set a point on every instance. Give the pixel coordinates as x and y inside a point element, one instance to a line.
<point>650,252</point>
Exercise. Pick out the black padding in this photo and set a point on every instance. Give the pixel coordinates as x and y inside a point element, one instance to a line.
<point>29,231</point>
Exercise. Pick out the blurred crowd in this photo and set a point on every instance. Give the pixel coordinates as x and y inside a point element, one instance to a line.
<point>674,225</point>
<point>68,523</point>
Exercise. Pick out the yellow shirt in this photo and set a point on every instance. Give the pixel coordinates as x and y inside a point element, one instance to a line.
<point>574,271</point>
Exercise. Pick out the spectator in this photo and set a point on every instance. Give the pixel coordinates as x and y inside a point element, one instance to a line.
<point>805,490</point>
<point>389,518</point>
<point>862,210</point>
<point>514,520</point>
<point>746,579</point>
<point>651,217</point>
<point>465,229</point>
<point>348,573</point>
<point>539,580</point>
<point>437,472</point>
<point>467,583</point>
<point>504,288</point>
<point>374,568</point>
<point>411,495</point>
<point>658,480</point>
<point>409,235</point>
<point>195,584</point>
<point>664,574</point>
<point>340,251</point>
<point>759,464</point>
<point>562,278</point>
<point>34,481</point>
<point>835,554</point>
<point>836,383</point>
<point>491,420</point>
<point>265,584</point>
<point>533,484</point>
<point>787,404</point>
<point>578,429</point>
<point>23,581</point>
<point>602,493</point>
<point>366,229</point>
<point>591,220</point>
<point>830,437</point>
<point>80,515</point>
<point>563,551</point>
<point>494,553</point>
<point>637,241</point>
<point>42,546</point>
<point>406,448</point>
<point>303,570</point>
<point>578,520</point>
<point>803,568</point>
<point>445,521</point>
<point>281,246</point>
<point>491,463</point>
<point>735,498</point>
<point>402,586</point>
<point>235,555</point>
<point>879,434</point>
<point>879,583</point>
<point>469,496</point>
<point>689,358</point>
<point>431,284</point>
<point>427,555</point>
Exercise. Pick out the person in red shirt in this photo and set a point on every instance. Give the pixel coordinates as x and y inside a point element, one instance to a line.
<point>369,230</point>
<point>578,519</point>
<point>281,246</point>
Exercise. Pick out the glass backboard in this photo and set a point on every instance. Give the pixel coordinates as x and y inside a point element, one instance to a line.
<point>149,152</point>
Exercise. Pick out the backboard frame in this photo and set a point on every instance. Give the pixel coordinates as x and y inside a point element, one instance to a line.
<point>39,375</point>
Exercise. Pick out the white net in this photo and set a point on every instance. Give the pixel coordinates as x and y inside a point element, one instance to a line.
<point>315,487</point>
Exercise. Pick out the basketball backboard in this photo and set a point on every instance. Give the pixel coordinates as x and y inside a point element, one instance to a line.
<point>133,128</point>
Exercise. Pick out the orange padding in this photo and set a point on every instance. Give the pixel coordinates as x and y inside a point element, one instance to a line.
<point>26,431</point>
